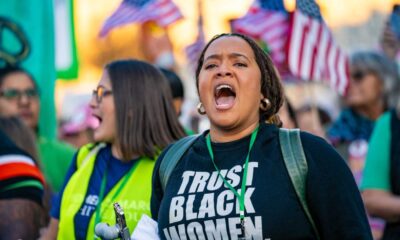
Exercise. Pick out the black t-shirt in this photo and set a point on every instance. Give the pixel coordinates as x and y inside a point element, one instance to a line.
<point>197,205</point>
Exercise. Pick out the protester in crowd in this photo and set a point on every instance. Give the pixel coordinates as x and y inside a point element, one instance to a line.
<point>176,85</point>
<point>134,106</point>
<point>239,90</point>
<point>24,138</point>
<point>78,129</point>
<point>19,96</point>
<point>313,119</point>
<point>287,115</point>
<point>20,134</point>
<point>178,93</point>
<point>373,77</point>
<point>380,185</point>
<point>21,191</point>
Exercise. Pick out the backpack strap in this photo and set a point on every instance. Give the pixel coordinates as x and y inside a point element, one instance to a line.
<point>172,157</point>
<point>296,165</point>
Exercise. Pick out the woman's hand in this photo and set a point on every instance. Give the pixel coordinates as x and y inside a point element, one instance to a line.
<point>382,204</point>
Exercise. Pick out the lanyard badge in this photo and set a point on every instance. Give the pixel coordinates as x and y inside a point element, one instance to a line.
<point>240,196</point>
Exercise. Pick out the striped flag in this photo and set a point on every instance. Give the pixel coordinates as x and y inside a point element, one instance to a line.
<point>268,21</point>
<point>163,12</point>
<point>312,52</point>
<point>193,50</point>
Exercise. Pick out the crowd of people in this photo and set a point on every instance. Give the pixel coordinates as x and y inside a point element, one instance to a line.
<point>246,177</point>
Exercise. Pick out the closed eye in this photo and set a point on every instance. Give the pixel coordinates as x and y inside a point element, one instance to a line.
<point>239,64</point>
<point>210,66</point>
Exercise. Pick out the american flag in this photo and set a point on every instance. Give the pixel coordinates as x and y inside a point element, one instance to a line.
<point>193,50</point>
<point>268,21</point>
<point>312,52</point>
<point>163,12</point>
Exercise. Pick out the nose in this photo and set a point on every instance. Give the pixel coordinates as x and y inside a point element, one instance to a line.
<point>24,99</point>
<point>224,70</point>
<point>93,102</point>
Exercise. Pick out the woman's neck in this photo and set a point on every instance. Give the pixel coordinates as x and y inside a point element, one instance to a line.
<point>116,152</point>
<point>229,135</point>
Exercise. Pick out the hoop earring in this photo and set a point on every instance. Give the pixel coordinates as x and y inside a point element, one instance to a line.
<point>265,104</point>
<point>200,109</point>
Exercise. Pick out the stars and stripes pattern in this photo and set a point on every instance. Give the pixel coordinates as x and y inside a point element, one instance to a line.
<point>163,12</point>
<point>268,21</point>
<point>312,52</point>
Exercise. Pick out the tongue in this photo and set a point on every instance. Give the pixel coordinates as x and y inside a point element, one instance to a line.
<point>225,102</point>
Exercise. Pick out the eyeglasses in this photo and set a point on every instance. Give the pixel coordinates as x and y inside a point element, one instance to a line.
<point>15,94</point>
<point>101,92</point>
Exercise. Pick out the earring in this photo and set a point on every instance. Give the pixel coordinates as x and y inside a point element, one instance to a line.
<point>265,104</point>
<point>200,109</point>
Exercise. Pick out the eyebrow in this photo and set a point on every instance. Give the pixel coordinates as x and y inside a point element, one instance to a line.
<point>231,55</point>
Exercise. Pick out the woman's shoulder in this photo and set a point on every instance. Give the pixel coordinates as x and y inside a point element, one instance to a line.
<point>313,141</point>
<point>91,149</point>
<point>179,147</point>
<point>315,144</point>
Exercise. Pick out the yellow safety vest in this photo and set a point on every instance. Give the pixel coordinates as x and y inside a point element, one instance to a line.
<point>134,198</point>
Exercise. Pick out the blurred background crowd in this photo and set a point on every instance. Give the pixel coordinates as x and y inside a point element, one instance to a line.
<point>340,73</point>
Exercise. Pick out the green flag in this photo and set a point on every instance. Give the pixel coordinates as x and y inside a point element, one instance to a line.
<point>37,21</point>
<point>66,54</point>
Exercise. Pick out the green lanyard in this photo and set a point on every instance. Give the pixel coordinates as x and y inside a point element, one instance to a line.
<point>244,177</point>
<point>103,188</point>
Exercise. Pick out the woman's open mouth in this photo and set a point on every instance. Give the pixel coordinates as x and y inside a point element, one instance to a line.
<point>98,118</point>
<point>225,96</point>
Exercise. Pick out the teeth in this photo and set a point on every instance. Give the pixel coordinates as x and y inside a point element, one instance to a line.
<point>223,86</point>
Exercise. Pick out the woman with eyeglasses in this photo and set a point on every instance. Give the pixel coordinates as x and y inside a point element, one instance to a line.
<point>373,77</point>
<point>133,104</point>
<point>19,96</point>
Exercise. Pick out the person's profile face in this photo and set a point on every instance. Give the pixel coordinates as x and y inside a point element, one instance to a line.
<point>102,105</point>
<point>19,97</point>
<point>229,83</point>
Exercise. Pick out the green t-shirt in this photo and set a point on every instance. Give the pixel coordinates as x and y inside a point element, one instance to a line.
<point>55,158</point>
<point>377,166</point>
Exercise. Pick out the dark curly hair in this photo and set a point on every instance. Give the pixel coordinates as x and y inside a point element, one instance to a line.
<point>271,86</point>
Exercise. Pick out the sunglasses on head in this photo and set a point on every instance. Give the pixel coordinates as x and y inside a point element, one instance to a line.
<point>14,94</point>
<point>101,92</point>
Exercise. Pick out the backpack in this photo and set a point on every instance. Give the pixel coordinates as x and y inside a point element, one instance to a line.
<point>292,152</point>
